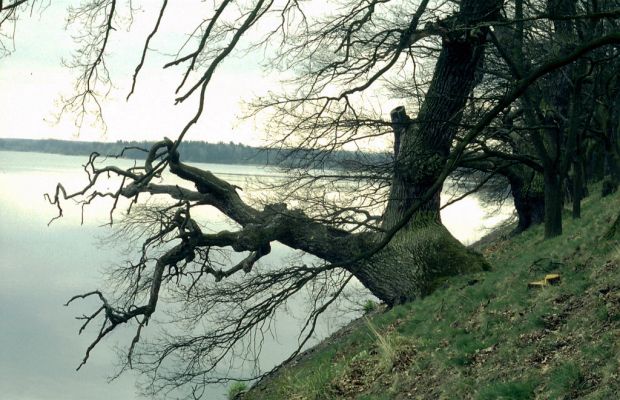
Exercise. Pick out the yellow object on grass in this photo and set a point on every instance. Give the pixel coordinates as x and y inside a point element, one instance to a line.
<point>550,279</point>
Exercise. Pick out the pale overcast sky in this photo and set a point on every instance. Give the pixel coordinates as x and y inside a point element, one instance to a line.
<point>32,79</point>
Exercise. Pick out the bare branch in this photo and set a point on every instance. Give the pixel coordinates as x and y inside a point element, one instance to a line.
<point>146,47</point>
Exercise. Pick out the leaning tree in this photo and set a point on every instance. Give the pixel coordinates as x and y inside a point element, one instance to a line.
<point>390,238</point>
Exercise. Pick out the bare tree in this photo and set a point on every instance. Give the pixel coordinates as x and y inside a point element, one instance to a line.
<point>393,241</point>
<point>557,110</point>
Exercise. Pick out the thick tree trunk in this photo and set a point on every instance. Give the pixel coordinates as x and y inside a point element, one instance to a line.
<point>529,200</point>
<point>415,262</point>
<point>424,251</point>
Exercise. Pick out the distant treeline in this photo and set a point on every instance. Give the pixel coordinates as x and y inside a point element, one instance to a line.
<point>225,153</point>
<point>195,151</point>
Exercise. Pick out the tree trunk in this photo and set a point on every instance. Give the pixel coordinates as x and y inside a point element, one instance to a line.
<point>612,170</point>
<point>415,262</point>
<point>550,143</point>
<point>424,251</point>
<point>577,189</point>
<point>553,204</point>
<point>595,161</point>
<point>529,200</point>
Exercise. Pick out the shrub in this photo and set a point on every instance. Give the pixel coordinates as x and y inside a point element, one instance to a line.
<point>235,389</point>
<point>369,306</point>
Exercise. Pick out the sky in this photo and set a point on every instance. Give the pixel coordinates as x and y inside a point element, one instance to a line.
<point>33,79</point>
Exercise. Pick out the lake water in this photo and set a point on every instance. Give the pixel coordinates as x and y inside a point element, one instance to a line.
<point>42,266</point>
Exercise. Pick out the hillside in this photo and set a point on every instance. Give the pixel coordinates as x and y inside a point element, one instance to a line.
<point>486,336</point>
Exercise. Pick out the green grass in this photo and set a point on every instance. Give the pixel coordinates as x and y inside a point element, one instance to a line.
<point>518,390</point>
<point>369,306</point>
<point>565,380</point>
<point>486,335</point>
<point>235,389</point>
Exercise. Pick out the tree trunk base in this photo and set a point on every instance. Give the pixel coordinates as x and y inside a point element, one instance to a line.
<point>415,263</point>
<point>610,186</point>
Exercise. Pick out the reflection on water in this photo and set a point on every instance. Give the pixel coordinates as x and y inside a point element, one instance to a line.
<point>42,266</point>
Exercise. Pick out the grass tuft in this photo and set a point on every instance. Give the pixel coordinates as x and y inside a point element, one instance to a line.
<point>566,380</point>
<point>235,390</point>
<point>516,390</point>
<point>387,354</point>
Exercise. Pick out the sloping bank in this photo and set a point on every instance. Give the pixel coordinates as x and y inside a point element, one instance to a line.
<point>486,336</point>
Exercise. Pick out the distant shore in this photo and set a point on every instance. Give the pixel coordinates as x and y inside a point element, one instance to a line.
<point>218,153</point>
<point>199,151</point>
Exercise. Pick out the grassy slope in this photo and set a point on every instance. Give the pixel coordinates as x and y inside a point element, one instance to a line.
<point>488,336</point>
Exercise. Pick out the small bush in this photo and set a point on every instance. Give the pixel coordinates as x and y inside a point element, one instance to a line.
<point>235,389</point>
<point>369,306</point>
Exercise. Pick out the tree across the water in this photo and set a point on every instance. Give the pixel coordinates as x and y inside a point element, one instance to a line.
<point>195,151</point>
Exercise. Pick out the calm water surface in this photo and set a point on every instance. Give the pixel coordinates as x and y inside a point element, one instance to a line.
<point>42,266</point>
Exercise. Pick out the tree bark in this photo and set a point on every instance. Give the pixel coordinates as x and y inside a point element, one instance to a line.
<point>577,189</point>
<point>424,251</point>
<point>529,200</point>
<point>611,167</point>
<point>554,196</point>
<point>415,262</point>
